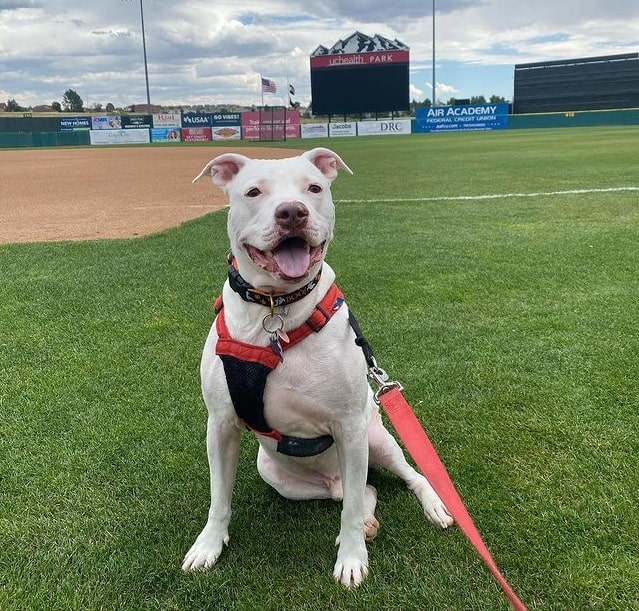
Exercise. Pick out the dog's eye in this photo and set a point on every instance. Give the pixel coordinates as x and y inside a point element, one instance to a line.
<point>315,188</point>
<point>254,192</point>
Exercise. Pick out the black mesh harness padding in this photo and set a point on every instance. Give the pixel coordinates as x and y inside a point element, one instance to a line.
<point>247,367</point>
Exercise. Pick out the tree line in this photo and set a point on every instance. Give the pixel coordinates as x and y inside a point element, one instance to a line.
<point>71,102</point>
<point>476,99</point>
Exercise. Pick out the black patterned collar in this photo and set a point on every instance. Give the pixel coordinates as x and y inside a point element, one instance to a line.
<point>270,300</point>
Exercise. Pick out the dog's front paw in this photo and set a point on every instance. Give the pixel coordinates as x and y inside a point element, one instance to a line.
<point>351,567</point>
<point>206,549</point>
<point>433,506</point>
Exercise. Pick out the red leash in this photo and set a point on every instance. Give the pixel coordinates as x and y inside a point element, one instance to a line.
<point>424,454</point>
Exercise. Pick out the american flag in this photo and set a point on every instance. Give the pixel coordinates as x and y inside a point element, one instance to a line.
<point>268,86</point>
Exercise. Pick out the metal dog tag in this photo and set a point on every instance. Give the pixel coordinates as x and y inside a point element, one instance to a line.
<point>276,346</point>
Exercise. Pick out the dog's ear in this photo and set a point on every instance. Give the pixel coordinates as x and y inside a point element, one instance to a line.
<point>326,161</point>
<point>223,168</point>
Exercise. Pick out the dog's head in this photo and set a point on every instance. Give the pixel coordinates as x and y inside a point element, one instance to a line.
<point>281,213</point>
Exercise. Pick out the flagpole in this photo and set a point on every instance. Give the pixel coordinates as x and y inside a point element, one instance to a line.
<point>262,89</point>
<point>288,92</point>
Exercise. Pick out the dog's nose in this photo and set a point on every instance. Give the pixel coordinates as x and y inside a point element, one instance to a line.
<point>291,215</point>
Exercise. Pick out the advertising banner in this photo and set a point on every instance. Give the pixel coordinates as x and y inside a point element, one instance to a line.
<point>165,134</point>
<point>73,123</point>
<point>167,119</point>
<point>119,136</point>
<point>337,130</point>
<point>224,119</point>
<point>197,119</point>
<point>314,130</point>
<point>226,126</point>
<point>196,134</point>
<point>136,121</point>
<point>461,118</point>
<point>106,122</point>
<point>255,125</point>
<point>231,132</point>
<point>389,127</point>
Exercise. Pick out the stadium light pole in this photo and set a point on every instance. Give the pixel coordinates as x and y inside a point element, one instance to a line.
<point>146,67</point>
<point>434,77</point>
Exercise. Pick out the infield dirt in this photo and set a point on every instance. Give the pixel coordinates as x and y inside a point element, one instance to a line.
<point>99,193</point>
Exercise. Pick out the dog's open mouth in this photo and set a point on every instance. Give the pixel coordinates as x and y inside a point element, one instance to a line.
<point>290,259</point>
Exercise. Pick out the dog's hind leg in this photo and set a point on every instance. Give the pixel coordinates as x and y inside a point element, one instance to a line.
<point>297,487</point>
<point>315,486</point>
<point>384,451</point>
<point>371,525</point>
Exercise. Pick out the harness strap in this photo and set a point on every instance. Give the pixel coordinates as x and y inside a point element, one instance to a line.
<point>247,366</point>
<point>361,341</point>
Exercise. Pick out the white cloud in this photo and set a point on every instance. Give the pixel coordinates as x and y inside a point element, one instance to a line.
<point>199,51</point>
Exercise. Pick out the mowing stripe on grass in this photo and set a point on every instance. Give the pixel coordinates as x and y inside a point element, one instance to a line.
<point>453,198</point>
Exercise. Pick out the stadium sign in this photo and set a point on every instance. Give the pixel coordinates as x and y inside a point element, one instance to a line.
<point>314,130</point>
<point>338,130</point>
<point>221,119</point>
<point>119,136</point>
<point>196,134</point>
<point>165,134</point>
<point>461,118</point>
<point>226,126</point>
<point>106,122</point>
<point>375,58</point>
<point>170,119</point>
<point>72,123</point>
<point>136,121</point>
<point>384,128</point>
<point>196,119</point>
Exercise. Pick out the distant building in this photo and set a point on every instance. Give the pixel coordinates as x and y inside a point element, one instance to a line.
<point>143,108</point>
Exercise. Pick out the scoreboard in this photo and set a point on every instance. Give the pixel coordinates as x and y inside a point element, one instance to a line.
<point>352,83</point>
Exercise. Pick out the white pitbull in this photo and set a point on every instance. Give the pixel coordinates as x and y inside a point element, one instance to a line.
<point>281,360</point>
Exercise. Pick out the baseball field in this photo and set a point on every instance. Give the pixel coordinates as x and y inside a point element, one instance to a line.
<point>494,273</point>
<point>89,193</point>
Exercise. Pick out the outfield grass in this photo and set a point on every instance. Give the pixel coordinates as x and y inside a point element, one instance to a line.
<point>512,323</point>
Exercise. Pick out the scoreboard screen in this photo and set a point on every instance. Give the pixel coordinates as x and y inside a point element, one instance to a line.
<point>360,82</point>
<point>591,83</point>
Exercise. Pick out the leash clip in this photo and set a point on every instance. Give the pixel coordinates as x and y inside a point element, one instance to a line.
<point>379,377</point>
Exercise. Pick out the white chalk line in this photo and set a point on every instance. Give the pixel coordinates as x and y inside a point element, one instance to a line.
<point>459,198</point>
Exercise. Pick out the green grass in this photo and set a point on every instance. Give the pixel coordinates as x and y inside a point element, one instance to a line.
<point>511,322</point>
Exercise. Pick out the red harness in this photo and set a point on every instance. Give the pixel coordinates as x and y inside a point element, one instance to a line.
<point>247,366</point>
<point>322,313</point>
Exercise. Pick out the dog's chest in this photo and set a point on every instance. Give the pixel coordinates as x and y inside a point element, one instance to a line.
<point>321,381</point>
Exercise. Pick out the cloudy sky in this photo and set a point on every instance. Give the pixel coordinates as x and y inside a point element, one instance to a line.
<point>206,51</point>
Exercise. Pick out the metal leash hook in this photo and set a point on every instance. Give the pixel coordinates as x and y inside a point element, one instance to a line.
<point>379,377</point>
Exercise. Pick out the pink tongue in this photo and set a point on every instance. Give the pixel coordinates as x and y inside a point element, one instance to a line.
<point>293,258</point>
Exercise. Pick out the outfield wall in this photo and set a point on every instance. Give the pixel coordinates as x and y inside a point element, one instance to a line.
<point>586,118</point>
<point>35,139</point>
<point>16,132</point>
<point>273,123</point>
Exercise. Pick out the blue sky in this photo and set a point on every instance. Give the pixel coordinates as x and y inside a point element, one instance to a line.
<point>205,51</point>
<point>461,80</point>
